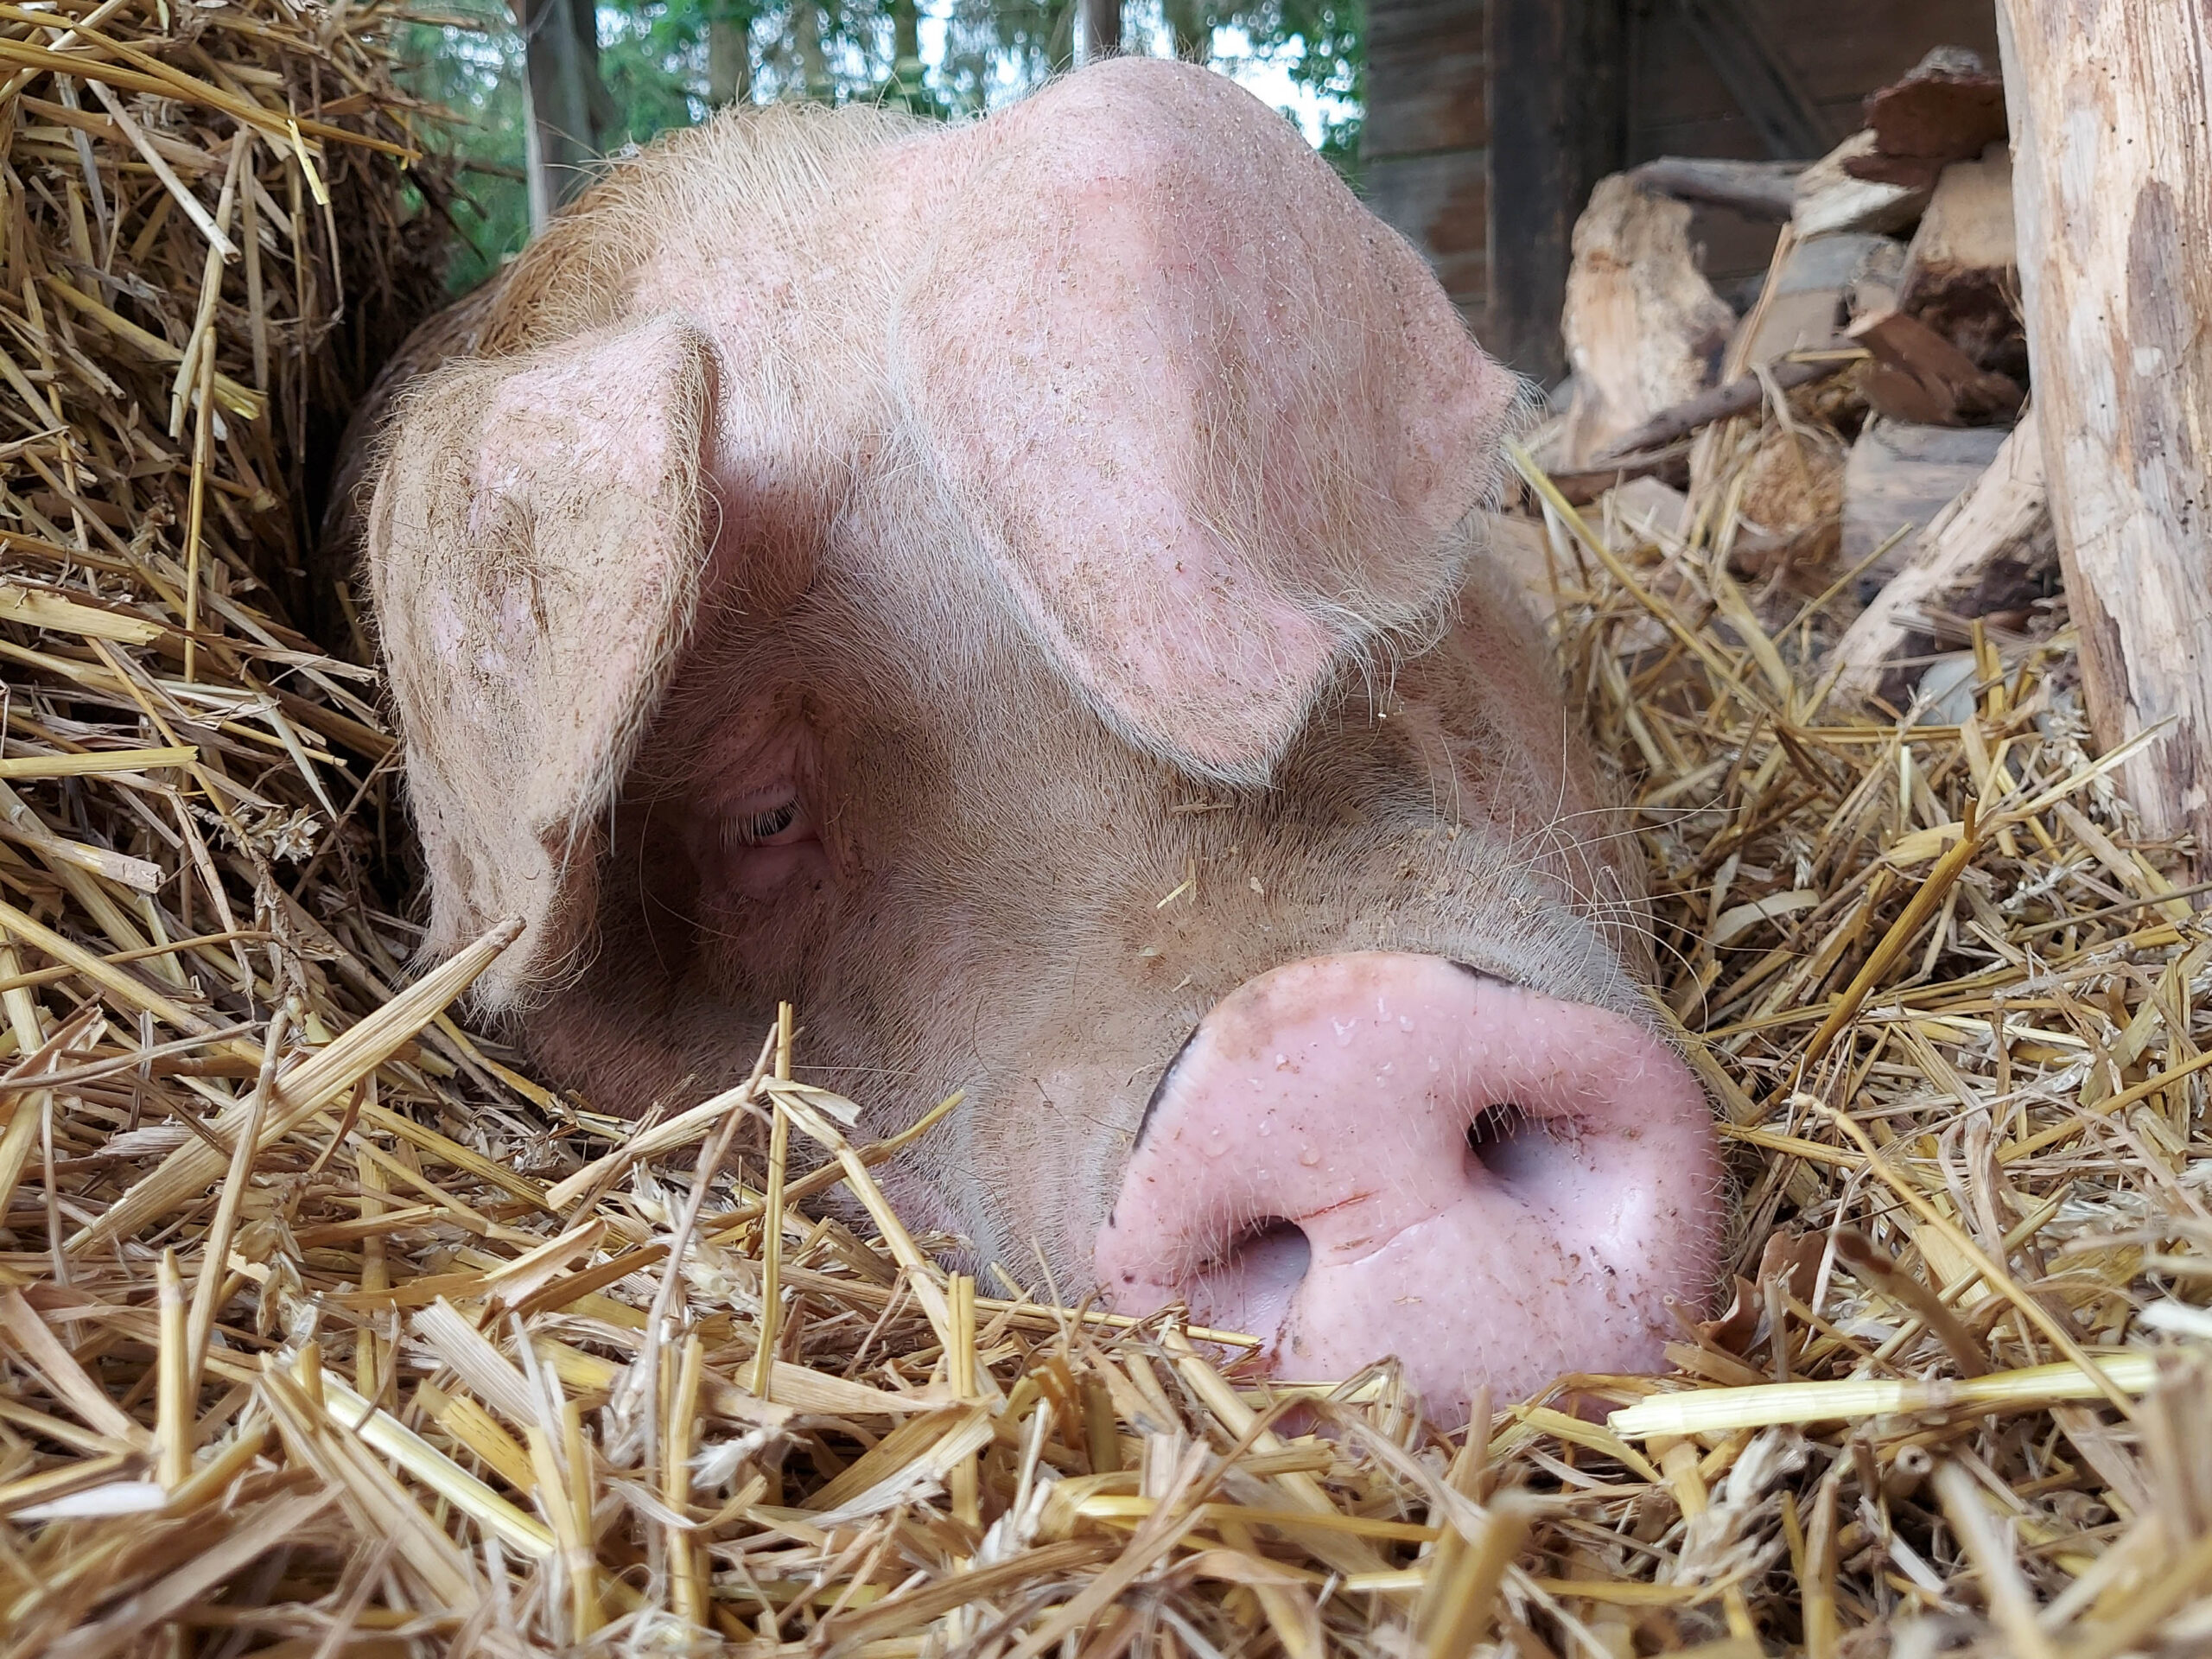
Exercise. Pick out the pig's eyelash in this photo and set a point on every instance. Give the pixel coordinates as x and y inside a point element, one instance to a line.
<point>756,828</point>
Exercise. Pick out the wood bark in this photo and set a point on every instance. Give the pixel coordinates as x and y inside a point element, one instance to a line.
<point>2111,120</point>
<point>1950,109</point>
<point>1920,376</point>
<point>1962,274</point>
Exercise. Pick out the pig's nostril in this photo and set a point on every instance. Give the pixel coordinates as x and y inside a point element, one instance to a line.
<point>1507,1141</point>
<point>1253,1280</point>
<point>1380,1154</point>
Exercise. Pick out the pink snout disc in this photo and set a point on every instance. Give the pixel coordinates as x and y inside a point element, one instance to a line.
<point>1372,1155</point>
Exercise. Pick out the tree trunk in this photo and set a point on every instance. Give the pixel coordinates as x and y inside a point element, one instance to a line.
<point>907,66</point>
<point>814,66</point>
<point>729,57</point>
<point>605,115</point>
<point>2113,192</point>
<point>560,67</point>
<point>1101,29</point>
<point>1186,24</point>
<point>1066,17</point>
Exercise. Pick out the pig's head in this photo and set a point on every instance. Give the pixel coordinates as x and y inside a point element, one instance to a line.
<point>1008,591</point>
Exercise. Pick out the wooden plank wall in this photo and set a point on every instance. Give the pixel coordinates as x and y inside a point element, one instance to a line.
<point>1489,120</point>
<point>1426,147</point>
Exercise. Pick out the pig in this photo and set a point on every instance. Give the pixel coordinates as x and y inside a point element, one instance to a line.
<point>1011,589</point>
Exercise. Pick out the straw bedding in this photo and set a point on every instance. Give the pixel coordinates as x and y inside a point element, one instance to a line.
<point>324,1332</point>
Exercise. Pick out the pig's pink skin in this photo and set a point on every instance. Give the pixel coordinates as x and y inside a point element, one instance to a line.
<point>1306,1176</point>
<point>1007,590</point>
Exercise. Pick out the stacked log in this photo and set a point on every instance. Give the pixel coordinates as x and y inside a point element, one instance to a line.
<point>1931,271</point>
<point>1863,438</point>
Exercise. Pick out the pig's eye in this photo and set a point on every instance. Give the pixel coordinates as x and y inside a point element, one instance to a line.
<point>771,826</point>
<point>753,841</point>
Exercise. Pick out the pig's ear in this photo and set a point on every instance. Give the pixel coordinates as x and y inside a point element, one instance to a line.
<point>535,549</point>
<point>1214,423</point>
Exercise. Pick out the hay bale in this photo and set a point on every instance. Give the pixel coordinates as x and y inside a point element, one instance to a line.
<point>323,1330</point>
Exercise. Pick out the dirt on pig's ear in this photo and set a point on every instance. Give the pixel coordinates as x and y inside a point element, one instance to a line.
<point>1215,425</point>
<point>535,549</point>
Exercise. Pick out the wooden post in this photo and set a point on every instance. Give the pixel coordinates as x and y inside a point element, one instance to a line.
<point>814,62</point>
<point>1188,27</point>
<point>2113,192</point>
<point>906,88</point>
<point>1557,126</point>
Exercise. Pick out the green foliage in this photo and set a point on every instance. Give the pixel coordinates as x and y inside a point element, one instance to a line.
<point>996,49</point>
<point>653,58</point>
<point>653,61</point>
<point>471,65</point>
<point>1333,63</point>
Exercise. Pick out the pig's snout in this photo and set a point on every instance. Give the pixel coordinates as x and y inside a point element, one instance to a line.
<point>1377,1153</point>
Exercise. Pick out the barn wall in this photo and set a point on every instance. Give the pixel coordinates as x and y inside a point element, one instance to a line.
<point>1426,147</point>
<point>1489,120</point>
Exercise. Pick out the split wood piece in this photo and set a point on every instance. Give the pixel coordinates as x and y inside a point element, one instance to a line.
<point>1808,292</point>
<point>1644,329</point>
<point>1738,397</point>
<point>1879,279</point>
<point>1994,536</point>
<point>1519,549</point>
<point>1950,109</point>
<point>1920,376</point>
<point>2114,192</point>
<point>1830,199</point>
<point>1757,189</point>
<point>1901,477</point>
<point>1961,276</point>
